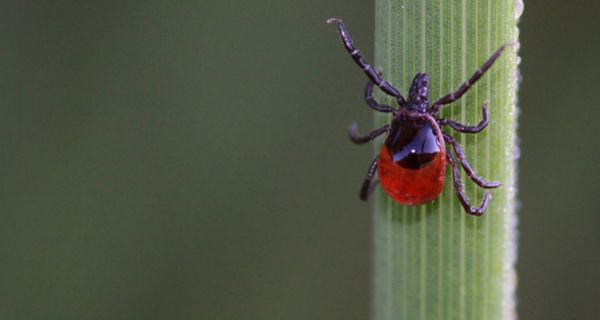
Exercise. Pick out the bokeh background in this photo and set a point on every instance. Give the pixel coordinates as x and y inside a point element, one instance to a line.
<point>188,160</point>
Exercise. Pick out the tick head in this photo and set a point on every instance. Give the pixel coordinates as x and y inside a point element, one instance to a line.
<point>418,96</point>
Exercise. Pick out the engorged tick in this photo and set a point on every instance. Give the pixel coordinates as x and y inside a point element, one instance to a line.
<point>412,161</point>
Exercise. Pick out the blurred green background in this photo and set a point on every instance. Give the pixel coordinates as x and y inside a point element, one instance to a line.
<point>188,160</point>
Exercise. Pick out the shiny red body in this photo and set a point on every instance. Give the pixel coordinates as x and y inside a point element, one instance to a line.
<point>412,161</point>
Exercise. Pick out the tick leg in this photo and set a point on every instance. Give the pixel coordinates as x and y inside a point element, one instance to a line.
<point>372,102</point>
<point>358,139</point>
<point>369,70</point>
<point>464,200</point>
<point>449,98</point>
<point>368,187</point>
<point>467,129</point>
<point>467,167</point>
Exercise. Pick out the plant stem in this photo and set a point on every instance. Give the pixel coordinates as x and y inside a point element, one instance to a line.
<point>435,261</point>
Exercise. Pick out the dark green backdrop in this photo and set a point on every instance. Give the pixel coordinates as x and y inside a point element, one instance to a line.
<point>188,160</point>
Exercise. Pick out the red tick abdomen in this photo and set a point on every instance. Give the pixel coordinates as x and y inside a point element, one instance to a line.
<point>411,186</point>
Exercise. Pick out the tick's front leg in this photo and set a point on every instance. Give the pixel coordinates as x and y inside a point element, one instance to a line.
<point>367,68</point>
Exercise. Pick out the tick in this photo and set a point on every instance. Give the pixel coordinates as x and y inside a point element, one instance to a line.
<point>412,161</point>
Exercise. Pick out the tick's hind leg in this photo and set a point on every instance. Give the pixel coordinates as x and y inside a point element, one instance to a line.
<point>368,185</point>
<point>468,129</point>
<point>462,197</point>
<point>358,139</point>
<point>368,69</point>
<point>465,164</point>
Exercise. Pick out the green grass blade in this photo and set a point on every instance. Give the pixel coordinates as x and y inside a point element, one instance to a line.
<point>435,261</point>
